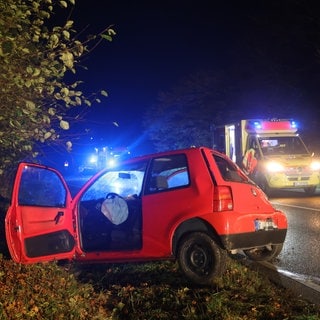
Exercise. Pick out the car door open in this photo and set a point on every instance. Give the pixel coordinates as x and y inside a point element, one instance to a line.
<point>39,221</point>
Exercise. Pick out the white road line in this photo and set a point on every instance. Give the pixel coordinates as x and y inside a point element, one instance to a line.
<point>293,206</point>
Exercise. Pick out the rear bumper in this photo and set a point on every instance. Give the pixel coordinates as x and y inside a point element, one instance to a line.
<point>253,239</point>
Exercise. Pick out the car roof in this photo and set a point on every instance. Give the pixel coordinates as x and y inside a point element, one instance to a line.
<point>146,157</point>
<point>177,151</point>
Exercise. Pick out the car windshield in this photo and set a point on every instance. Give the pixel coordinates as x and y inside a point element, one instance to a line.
<point>124,180</point>
<point>229,170</point>
<point>282,145</point>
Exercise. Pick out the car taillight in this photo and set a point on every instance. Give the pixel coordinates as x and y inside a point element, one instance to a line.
<point>222,199</point>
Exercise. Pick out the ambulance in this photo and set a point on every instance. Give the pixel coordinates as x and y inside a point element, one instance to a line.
<point>271,152</point>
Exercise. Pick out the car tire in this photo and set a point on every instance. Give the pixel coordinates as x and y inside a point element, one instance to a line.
<point>267,253</point>
<point>200,258</point>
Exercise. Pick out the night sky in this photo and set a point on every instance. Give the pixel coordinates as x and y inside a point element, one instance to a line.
<point>160,42</point>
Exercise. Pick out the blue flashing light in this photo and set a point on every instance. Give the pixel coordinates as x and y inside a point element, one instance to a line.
<point>93,159</point>
<point>294,125</point>
<point>257,125</point>
<point>112,162</point>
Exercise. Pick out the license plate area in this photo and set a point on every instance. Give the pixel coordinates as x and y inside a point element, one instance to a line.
<point>300,183</point>
<point>266,225</point>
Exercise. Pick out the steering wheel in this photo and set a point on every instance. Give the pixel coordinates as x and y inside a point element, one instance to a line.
<point>112,195</point>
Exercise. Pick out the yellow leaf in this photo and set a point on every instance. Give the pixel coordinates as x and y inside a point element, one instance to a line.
<point>65,92</point>
<point>111,32</point>
<point>69,24</point>
<point>29,70</point>
<point>28,83</point>
<point>78,101</point>
<point>63,4</point>
<point>30,105</point>
<point>47,135</point>
<point>52,111</point>
<point>67,58</point>
<point>36,72</point>
<point>64,125</point>
<point>66,34</point>
<point>54,41</point>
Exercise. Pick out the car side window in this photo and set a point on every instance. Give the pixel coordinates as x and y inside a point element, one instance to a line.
<point>229,171</point>
<point>166,173</point>
<point>41,187</point>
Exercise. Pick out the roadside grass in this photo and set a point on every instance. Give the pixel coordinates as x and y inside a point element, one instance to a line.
<point>141,291</point>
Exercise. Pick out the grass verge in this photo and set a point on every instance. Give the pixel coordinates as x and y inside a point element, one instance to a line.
<point>141,291</point>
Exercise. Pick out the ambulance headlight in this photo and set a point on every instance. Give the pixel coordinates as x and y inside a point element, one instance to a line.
<point>315,165</point>
<point>274,167</point>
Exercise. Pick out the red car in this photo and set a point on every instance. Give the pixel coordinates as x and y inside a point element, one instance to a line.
<point>193,205</point>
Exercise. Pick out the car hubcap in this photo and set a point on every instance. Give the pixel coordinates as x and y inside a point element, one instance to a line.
<point>199,259</point>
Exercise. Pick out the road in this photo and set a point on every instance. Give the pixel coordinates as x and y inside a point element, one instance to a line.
<point>301,251</point>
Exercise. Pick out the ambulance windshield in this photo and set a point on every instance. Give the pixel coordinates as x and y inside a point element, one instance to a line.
<point>282,146</point>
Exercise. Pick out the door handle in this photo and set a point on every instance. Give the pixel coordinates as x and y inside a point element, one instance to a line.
<point>58,216</point>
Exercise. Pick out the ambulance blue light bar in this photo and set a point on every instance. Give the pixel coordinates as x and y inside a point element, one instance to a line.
<point>294,125</point>
<point>269,126</point>
<point>257,125</point>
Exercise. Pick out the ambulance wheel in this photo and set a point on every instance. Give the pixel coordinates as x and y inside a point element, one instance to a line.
<point>200,258</point>
<point>267,253</point>
<point>310,190</point>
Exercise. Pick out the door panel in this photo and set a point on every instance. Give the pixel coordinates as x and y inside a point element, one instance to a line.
<point>48,244</point>
<point>171,196</point>
<point>39,221</point>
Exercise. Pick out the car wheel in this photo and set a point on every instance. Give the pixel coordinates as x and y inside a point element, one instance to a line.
<point>310,190</point>
<point>267,253</point>
<point>200,258</point>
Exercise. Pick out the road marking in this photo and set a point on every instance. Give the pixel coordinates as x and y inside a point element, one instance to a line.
<point>293,206</point>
